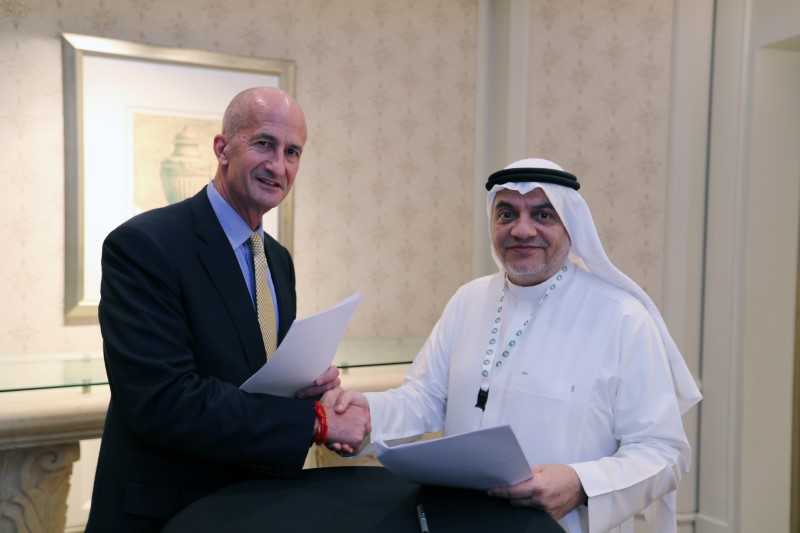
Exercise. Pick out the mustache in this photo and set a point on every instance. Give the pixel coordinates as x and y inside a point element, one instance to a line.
<point>533,241</point>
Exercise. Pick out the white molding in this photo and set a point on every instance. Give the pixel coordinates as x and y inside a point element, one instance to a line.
<point>501,115</point>
<point>686,173</point>
<point>484,96</point>
<point>708,524</point>
<point>692,38</point>
<point>771,219</point>
<point>753,212</point>
<point>720,431</point>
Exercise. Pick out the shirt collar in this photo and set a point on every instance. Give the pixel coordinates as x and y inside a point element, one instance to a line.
<point>234,226</point>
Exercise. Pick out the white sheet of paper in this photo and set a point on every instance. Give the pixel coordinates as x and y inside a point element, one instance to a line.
<point>481,459</point>
<point>306,351</point>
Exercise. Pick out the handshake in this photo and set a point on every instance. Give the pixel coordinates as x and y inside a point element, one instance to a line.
<point>348,420</point>
<point>347,412</point>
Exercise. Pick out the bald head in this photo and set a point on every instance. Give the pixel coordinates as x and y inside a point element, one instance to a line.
<point>248,104</point>
<point>258,151</point>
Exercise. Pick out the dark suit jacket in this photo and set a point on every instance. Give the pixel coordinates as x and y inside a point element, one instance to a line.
<point>180,335</point>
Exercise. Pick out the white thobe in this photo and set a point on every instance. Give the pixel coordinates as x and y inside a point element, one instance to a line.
<point>588,384</point>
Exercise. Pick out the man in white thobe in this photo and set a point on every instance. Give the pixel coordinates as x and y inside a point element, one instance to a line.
<point>567,350</point>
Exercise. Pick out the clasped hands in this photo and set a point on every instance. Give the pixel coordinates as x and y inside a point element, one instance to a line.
<point>347,412</point>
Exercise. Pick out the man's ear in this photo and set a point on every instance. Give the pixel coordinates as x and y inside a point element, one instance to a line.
<point>220,148</point>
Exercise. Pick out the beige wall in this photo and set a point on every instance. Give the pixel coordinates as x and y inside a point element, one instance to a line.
<point>383,198</point>
<point>383,201</point>
<point>598,104</point>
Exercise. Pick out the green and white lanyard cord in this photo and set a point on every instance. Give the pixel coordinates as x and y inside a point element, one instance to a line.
<point>491,351</point>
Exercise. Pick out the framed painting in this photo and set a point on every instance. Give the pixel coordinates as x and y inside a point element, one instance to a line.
<point>139,123</point>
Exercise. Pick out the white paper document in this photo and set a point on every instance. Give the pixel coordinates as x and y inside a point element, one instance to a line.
<point>481,459</point>
<point>306,351</point>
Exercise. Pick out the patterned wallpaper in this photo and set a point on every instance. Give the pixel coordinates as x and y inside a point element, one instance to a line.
<point>599,106</point>
<point>385,204</point>
<point>383,197</point>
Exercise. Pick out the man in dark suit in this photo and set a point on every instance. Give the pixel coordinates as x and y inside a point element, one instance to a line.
<point>181,333</point>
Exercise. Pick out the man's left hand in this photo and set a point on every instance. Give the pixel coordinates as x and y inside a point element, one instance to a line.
<point>327,381</point>
<point>555,489</point>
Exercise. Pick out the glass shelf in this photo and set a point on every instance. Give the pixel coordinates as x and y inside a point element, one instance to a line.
<point>85,369</point>
<point>20,373</point>
<point>377,352</point>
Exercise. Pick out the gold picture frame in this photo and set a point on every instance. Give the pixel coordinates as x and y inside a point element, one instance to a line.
<point>128,108</point>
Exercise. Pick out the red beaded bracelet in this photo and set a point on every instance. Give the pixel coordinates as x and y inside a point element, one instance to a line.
<point>322,431</point>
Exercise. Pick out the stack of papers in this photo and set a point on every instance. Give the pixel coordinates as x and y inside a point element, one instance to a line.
<point>305,353</point>
<point>481,459</point>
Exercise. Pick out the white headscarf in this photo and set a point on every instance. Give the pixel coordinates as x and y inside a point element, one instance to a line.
<point>588,253</point>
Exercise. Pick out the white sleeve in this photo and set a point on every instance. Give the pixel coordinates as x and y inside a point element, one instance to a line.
<point>418,406</point>
<point>653,452</point>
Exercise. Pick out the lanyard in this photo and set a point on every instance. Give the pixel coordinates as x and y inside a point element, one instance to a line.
<point>490,356</point>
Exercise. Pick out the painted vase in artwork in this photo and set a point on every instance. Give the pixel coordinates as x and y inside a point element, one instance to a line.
<point>184,172</point>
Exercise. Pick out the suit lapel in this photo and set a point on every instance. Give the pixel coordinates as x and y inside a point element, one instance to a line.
<point>282,274</point>
<point>216,255</point>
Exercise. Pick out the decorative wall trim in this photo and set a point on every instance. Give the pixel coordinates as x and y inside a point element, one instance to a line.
<point>687,162</point>
<point>34,487</point>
